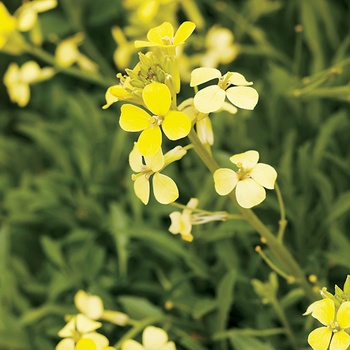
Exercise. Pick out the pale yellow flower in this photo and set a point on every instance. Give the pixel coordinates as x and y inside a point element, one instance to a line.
<point>153,338</point>
<point>335,323</point>
<point>232,85</point>
<point>18,79</point>
<point>125,49</point>
<point>249,181</point>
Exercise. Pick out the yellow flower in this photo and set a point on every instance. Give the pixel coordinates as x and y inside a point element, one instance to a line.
<point>67,54</point>
<point>153,338</point>
<point>212,98</point>
<point>333,334</point>
<point>125,49</point>
<point>157,99</point>
<point>81,327</point>
<point>92,307</point>
<point>164,188</point>
<point>249,180</point>
<point>89,344</point>
<point>17,80</point>
<point>27,14</point>
<point>163,36</point>
<point>7,25</point>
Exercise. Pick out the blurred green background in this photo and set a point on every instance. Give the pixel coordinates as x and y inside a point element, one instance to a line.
<point>69,219</point>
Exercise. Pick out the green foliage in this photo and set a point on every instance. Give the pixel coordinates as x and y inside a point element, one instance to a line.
<point>69,218</point>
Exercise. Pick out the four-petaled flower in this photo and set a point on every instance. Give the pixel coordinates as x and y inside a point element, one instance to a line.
<point>163,36</point>
<point>157,99</point>
<point>153,338</point>
<point>232,84</point>
<point>164,188</point>
<point>249,180</point>
<point>332,334</point>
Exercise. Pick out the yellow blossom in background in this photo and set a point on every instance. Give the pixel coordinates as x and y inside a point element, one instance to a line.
<point>249,181</point>
<point>153,338</point>
<point>164,188</point>
<point>17,80</point>
<point>220,47</point>
<point>157,99</point>
<point>8,25</point>
<point>81,327</point>
<point>335,323</point>
<point>232,85</point>
<point>67,54</point>
<point>125,49</point>
<point>163,36</point>
<point>27,14</point>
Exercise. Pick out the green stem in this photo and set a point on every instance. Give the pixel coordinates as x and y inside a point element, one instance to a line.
<point>282,222</point>
<point>280,252</point>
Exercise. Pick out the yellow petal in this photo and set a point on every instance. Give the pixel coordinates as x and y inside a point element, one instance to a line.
<point>85,344</point>
<point>343,315</point>
<point>132,345</point>
<point>155,162</point>
<point>176,125</point>
<point>237,79</point>
<point>90,305</point>
<point>119,92</point>
<point>44,5</point>
<point>66,344</point>
<point>150,141</point>
<point>209,99</point>
<point>203,74</point>
<point>205,131</point>
<point>110,98</point>
<point>154,338</point>
<point>175,226</point>
<point>68,329</point>
<point>243,97</point>
<point>157,98</point>
<point>116,317</point>
<point>323,310</point>
<point>164,189</point>
<point>225,181</point>
<point>171,345</point>
<point>30,71</point>
<point>26,19</point>
<point>147,10</point>
<point>85,325</point>
<point>249,193</point>
<point>135,159</point>
<point>99,340</point>
<point>319,338</point>
<point>228,107</point>
<point>184,31</point>
<point>265,175</point>
<point>158,34</point>
<point>142,43</point>
<point>7,23</point>
<point>340,341</point>
<point>246,160</point>
<point>141,188</point>
<point>133,118</point>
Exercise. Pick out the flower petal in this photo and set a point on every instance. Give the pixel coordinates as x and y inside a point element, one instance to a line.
<point>265,175</point>
<point>243,97</point>
<point>133,118</point>
<point>90,305</point>
<point>209,99</point>
<point>99,339</point>
<point>135,159</point>
<point>85,344</point>
<point>249,193</point>
<point>343,315</point>
<point>176,125</point>
<point>131,344</point>
<point>157,98</point>
<point>44,5</point>
<point>68,329</point>
<point>246,160</point>
<point>225,181</point>
<point>157,34</point>
<point>30,71</point>
<point>323,310</point>
<point>175,226</point>
<point>142,189</point>
<point>205,131</point>
<point>154,338</point>
<point>203,74</point>
<point>319,338</point>
<point>85,325</point>
<point>26,19</point>
<point>340,341</point>
<point>183,32</point>
<point>228,107</point>
<point>143,43</point>
<point>155,162</point>
<point>66,344</point>
<point>164,189</point>
<point>238,79</point>
<point>171,345</point>
<point>149,141</point>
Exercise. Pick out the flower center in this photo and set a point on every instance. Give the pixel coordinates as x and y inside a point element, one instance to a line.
<point>334,326</point>
<point>167,40</point>
<point>155,120</point>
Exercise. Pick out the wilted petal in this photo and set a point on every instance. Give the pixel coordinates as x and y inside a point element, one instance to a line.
<point>340,341</point>
<point>343,315</point>
<point>249,193</point>
<point>157,98</point>
<point>238,79</point>
<point>265,175</point>
<point>131,344</point>
<point>176,125</point>
<point>243,97</point>
<point>164,189</point>
<point>157,34</point>
<point>183,32</point>
<point>319,338</point>
<point>246,160</point>
<point>209,99</point>
<point>225,181</point>
<point>150,141</point>
<point>154,338</point>
<point>203,74</point>
<point>142,189</point>
<point>133,118</point>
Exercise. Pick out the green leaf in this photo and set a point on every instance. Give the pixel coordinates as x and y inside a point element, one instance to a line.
<point>52,250</point>
<point>139,308</point>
